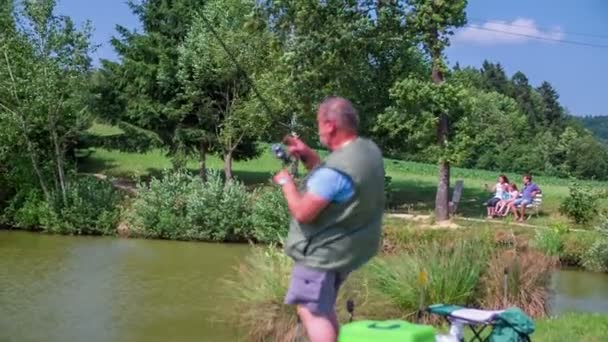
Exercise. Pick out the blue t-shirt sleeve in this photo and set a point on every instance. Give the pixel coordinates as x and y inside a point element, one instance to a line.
<point>331,185</point>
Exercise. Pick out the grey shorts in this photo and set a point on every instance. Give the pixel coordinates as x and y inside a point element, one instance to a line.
<point>317,290</point>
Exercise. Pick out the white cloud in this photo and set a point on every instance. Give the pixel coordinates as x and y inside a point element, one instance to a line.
<point>495,32</point>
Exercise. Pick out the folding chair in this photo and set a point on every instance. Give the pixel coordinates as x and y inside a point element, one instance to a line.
<point>478,320</point>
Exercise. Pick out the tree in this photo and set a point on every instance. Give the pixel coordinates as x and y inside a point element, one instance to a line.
<point>413,114</point>
<point>216,88</point>
<point>356,49</point>
<point>45,65</point>
<point>495,78</point>
<point>493,123</point>
<point>433,21</point>
<point>552,112</point>
<point>143,89</point>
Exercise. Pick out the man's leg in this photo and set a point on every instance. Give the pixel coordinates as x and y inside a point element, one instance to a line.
<point>315,292</point>
<point>318,328</point>
<point>524,203</point>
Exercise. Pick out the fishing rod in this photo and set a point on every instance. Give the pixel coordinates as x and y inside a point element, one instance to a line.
<point>276,149</point>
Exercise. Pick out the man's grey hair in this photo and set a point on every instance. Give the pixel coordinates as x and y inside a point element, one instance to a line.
<point>341,111</point>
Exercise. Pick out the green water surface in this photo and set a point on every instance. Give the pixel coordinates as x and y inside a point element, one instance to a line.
<point>58,288</point>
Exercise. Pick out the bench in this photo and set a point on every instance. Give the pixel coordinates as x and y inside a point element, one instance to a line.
<point>534,208</point>
<point>456,195</point>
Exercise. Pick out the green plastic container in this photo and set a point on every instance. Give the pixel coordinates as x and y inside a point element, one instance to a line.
<point>386,331</point>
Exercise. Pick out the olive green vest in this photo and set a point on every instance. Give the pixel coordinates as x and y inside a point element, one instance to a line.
<point>346,235</point>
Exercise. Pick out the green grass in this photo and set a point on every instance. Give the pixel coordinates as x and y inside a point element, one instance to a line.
<point>414,184</point>
<point>580,327</point>
<point>570,327</point>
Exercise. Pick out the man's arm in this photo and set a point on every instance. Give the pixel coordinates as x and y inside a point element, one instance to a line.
<point>303,207</point>
<point>323,186</point>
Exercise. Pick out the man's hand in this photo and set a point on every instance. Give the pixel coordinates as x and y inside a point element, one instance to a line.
<point>299,149</point>
<point>282,178</point>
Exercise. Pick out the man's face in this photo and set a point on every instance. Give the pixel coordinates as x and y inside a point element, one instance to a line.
<point>326,129</point>
<point>526,180</point>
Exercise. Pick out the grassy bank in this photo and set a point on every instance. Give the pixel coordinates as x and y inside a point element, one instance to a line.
<point>413,184</point>
<point>464,267</point>
<point>573,327</point>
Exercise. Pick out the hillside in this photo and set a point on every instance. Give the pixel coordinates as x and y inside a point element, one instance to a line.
<point>598,125</point>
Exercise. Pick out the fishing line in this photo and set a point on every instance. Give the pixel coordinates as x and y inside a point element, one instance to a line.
<point>238,66</point>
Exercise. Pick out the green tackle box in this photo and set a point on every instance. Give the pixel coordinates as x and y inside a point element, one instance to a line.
<point>386,331</point>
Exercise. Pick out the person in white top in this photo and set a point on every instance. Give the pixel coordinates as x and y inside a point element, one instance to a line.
<point>498,189</point>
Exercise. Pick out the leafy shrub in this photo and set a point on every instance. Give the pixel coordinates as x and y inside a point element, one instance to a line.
<point>159,211</point>
<point>581,205</point>
<point>575,245</point>
<point>596,257</point>
<point>528,281</point>
<point>216,210</point>
<point>182,207</point>
<point>453,274</point>
<point>270,216</point>
<point>91,207</point>
<point>32,212</point>
<point>548,241</point>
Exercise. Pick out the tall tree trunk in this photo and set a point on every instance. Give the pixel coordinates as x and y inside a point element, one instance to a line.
<point>60,170</point>
<point>203,160</point>
<point>228,165</point>
<point>442,208</point>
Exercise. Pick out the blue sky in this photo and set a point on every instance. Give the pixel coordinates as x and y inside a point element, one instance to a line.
<point>579,73</point>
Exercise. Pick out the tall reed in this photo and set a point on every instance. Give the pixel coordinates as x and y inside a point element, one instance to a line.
<point>453,273</point>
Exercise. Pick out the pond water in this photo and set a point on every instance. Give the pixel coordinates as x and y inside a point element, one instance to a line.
<point>57,288</point>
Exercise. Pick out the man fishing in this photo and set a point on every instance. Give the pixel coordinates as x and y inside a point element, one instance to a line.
<point>336,215</point>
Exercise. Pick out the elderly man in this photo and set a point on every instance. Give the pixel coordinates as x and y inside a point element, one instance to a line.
<point>336,215</point>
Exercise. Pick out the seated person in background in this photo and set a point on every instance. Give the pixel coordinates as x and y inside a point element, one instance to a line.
<point>510,196</point>
<point>498,189</point>
<point>527,196</point>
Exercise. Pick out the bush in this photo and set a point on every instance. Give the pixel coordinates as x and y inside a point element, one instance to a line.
<point>270,216</point>
<point>91,207</point>
<point>575,245</point>
<point>582,204</point>
<point>32,212</point>
<point>159,210</point>
<point>217,211</point>
<point>548,241</point>
<point>596,257</point>
<point>182,207</point>
<point>453,274</point>
<point>528,281</point>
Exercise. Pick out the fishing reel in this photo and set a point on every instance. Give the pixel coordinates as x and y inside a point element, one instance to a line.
<point>280,153</point>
